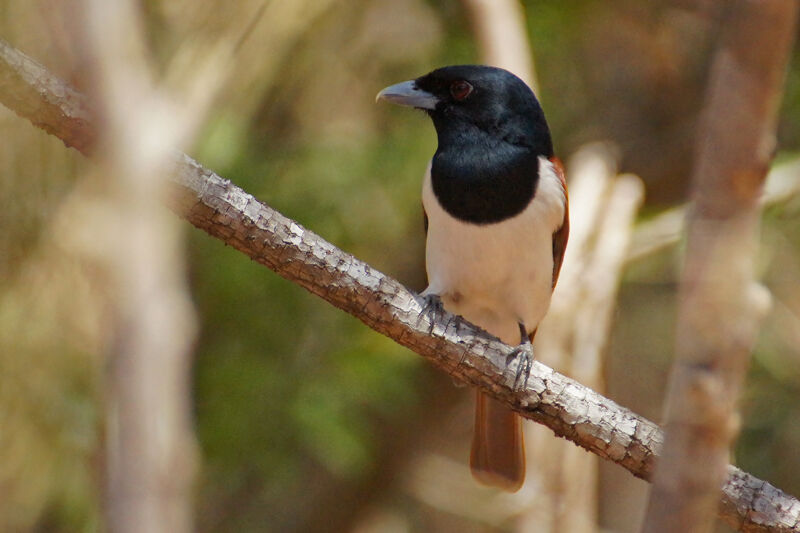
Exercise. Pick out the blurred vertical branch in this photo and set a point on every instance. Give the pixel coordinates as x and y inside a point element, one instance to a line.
<point>719,303</point>
<point>573,336</point>
<point>150,449</point>
<point>499,27</point>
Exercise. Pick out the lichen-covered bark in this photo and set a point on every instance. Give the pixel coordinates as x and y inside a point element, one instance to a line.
<point>571,410</point>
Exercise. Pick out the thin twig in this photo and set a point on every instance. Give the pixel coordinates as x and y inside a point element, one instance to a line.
<point>665,230</point>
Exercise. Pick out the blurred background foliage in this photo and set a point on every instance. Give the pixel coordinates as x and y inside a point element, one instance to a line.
<point>306,419</point>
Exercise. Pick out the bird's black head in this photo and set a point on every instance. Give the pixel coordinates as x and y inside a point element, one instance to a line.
<point>478,102</point>
<point>492,134</point>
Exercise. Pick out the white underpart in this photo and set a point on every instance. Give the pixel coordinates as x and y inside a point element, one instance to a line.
<point>496,275</point>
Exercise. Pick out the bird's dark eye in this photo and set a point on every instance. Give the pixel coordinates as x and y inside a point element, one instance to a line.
<point>460,90</point>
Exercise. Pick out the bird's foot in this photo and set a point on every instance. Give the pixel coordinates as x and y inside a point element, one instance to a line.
<point>432,309</point>
<point>524,355</point>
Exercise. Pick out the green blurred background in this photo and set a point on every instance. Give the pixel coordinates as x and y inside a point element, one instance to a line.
<point>307,420</point>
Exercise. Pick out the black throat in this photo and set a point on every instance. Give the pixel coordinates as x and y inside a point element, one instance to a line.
<point>481,179</point>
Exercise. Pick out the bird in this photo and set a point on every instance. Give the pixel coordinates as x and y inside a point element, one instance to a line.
<point>496,216</point>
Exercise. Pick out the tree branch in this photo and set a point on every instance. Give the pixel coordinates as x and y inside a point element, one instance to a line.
<point>499,27</point>
<point>150,459</point>
<point>665,230</point>
<point>225,211</point>
<point>719,304</point>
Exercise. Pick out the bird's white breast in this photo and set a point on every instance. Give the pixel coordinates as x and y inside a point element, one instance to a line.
<point>496,275</point>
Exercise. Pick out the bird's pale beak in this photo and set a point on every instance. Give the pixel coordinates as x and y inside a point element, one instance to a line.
<point>408,94</point>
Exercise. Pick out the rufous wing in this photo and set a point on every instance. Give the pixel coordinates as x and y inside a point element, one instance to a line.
<point>561,235</point>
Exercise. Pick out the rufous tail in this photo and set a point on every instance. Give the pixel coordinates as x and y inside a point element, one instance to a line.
<point>498,453</point>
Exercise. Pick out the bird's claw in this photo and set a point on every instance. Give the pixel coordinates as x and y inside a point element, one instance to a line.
<point>432,309</point>
<point>524,355</point>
